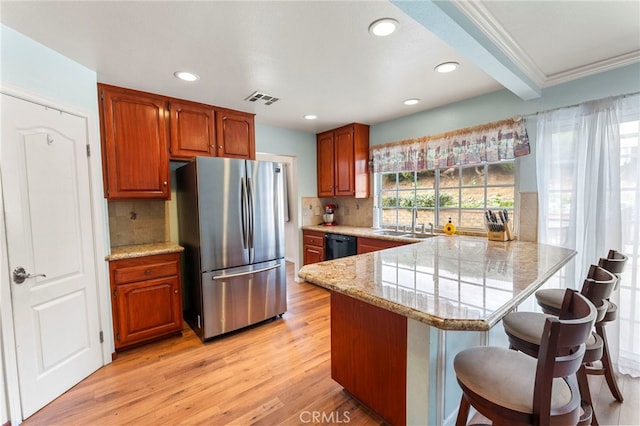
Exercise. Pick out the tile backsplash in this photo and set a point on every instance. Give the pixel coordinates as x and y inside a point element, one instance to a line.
<point>138,222</point>
<point>350,211</point>
<point>528,216</point>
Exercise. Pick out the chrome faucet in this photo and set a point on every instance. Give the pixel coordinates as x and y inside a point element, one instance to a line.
<point>431,228</point>
<point>414,217</point>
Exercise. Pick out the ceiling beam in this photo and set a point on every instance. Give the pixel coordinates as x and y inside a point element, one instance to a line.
<point>451,25</point>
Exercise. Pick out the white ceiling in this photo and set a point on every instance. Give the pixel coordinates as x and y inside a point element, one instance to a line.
<point>318,57</point>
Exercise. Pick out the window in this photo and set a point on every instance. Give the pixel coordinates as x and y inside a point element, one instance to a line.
<point>560,174</point>
<point>463,193</point>
<point>629,301</point>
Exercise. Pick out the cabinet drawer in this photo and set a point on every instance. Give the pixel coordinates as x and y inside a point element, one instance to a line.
<point>145,268</point>
<point>313,238</point>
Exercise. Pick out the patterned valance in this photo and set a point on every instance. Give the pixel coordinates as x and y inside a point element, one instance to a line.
<point>487,143</point>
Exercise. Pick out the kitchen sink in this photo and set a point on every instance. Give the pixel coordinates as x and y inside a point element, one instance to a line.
<point>391,233</point>
<point>418,236</point>
<point>404,234</point>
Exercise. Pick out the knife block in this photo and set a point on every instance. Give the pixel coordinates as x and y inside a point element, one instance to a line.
<point>497,236</point>
<point>501,235</point>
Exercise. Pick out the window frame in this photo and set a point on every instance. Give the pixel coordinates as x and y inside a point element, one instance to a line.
<point>440,211</point>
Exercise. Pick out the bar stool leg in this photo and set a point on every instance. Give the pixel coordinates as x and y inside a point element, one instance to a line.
<point>608,367</point>
<point>585,396</point>
<point>463,412</point>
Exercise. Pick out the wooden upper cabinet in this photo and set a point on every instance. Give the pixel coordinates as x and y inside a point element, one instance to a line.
<point>345,178</point>
<point>192,130</point>
<point>134,142</point>
<point>326,164</point>
<point>343,157</point>
<point>235,134</point>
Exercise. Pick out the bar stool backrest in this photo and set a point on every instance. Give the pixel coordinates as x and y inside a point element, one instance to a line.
<point>614,263</point>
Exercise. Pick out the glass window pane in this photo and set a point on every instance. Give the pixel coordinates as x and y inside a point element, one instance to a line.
<point>472,198</point>
<point>500,197</point>
<point>449,198</point>
<point>388,199</point>
<point>426,179</point>
<point>501,173</point>
<point>473,176</point>
<point>389,216</point>
<point>471,219</point>
<point>426,217</point>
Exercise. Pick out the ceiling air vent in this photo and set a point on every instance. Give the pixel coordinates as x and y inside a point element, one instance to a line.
<point>262,97</point>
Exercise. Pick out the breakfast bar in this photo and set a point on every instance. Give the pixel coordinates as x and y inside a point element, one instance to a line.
<point>399,316</point>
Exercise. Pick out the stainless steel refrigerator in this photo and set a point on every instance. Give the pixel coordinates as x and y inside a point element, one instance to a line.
<point>231,224</point>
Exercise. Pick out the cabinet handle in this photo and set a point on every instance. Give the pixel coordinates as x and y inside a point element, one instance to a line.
<point>313,251</point>
<point>164,183</point>
<point>175,291</point>
<point>220,146</point>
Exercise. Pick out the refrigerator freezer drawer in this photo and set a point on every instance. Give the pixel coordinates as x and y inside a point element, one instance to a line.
<point>237,297</point>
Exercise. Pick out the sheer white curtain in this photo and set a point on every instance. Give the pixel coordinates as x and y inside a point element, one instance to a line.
<point>578,170</point>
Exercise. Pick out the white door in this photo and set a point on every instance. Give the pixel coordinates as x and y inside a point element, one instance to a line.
<point>47,208</point>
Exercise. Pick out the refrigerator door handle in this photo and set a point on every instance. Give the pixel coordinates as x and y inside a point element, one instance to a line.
<point>243,214</point>
<point>251,214</point>
<point>240,274</point>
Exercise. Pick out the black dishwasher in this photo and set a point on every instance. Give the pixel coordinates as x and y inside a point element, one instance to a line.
<point>337,245</point>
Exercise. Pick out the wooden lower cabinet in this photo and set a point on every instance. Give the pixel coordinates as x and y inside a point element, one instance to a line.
<point>367,245</point>
<point>313,246</point>
<point>369,355</point>
<point>146,298</point>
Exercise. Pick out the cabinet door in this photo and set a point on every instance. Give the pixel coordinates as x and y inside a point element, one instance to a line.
<point>367,245</point>
<point>345,162</point>
<point>326,164</point>
<point>236,135</point>
<point>313,254</point>
<point>134,141</point>
<point>147,309</point>
<point>369,355</point>
<point>192,130</point>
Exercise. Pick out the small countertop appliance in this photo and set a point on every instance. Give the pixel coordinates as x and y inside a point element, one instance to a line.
<point>328,215</point>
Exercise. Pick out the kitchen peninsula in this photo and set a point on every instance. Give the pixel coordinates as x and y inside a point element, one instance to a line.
<point>399,316</point>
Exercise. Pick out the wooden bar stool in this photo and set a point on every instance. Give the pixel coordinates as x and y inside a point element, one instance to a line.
<point>525,332</point>
<point>512,388</point>
<point>550,299</point>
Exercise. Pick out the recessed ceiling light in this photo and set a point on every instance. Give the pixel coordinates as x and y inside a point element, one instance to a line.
<point>186,76</point>
<point>447,67</point>
<point>310,117</point>
<point>383,27</point>
<point>411,101</point>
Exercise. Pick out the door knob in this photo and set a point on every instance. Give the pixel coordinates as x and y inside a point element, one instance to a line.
<point>19,275</point>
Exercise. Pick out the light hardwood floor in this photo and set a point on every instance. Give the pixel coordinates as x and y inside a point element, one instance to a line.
<point>276,373</point>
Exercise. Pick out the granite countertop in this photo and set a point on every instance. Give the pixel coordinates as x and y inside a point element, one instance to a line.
<point>449,282</point>
<point>140,250</point>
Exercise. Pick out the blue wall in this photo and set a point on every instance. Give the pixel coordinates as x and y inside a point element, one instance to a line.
<point>280,141</point>
<point>35,69</point>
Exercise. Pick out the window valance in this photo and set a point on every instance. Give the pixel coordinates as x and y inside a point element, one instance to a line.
<point>486,143</point>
